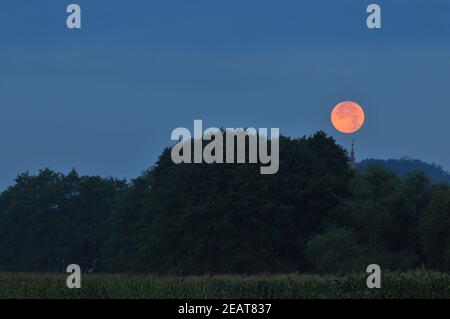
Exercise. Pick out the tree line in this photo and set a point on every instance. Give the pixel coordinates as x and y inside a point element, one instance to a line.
<point>317,214</point>
<point>406,165</point>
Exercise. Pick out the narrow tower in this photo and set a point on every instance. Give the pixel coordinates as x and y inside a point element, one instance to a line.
<point>352,155</point>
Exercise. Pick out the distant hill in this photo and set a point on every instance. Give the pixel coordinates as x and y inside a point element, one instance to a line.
<point>405,165</point>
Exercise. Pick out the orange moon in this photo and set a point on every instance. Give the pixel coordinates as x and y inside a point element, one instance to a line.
<point>347,117</point>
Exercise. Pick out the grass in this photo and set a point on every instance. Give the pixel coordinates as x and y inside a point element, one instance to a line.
<point>295,286</point>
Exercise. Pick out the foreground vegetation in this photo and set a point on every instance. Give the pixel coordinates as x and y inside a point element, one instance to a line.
<point>394,285</point>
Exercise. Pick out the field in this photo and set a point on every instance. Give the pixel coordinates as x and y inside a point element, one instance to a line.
<point>394,285</point>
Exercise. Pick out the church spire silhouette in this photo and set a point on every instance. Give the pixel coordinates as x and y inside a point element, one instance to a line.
<point>352,155</point>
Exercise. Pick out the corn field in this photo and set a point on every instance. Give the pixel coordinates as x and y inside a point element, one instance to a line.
<point>295,286</point>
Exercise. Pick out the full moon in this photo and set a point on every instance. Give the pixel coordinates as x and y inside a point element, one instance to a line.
<point>347,117</point>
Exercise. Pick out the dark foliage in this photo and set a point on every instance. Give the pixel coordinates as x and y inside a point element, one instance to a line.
<point>315,215</point>
<point>405,166</point>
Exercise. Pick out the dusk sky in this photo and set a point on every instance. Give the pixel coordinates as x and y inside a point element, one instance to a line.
<point>105,99</point>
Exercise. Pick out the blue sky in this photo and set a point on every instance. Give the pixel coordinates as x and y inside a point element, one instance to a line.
<point>105,99</point>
